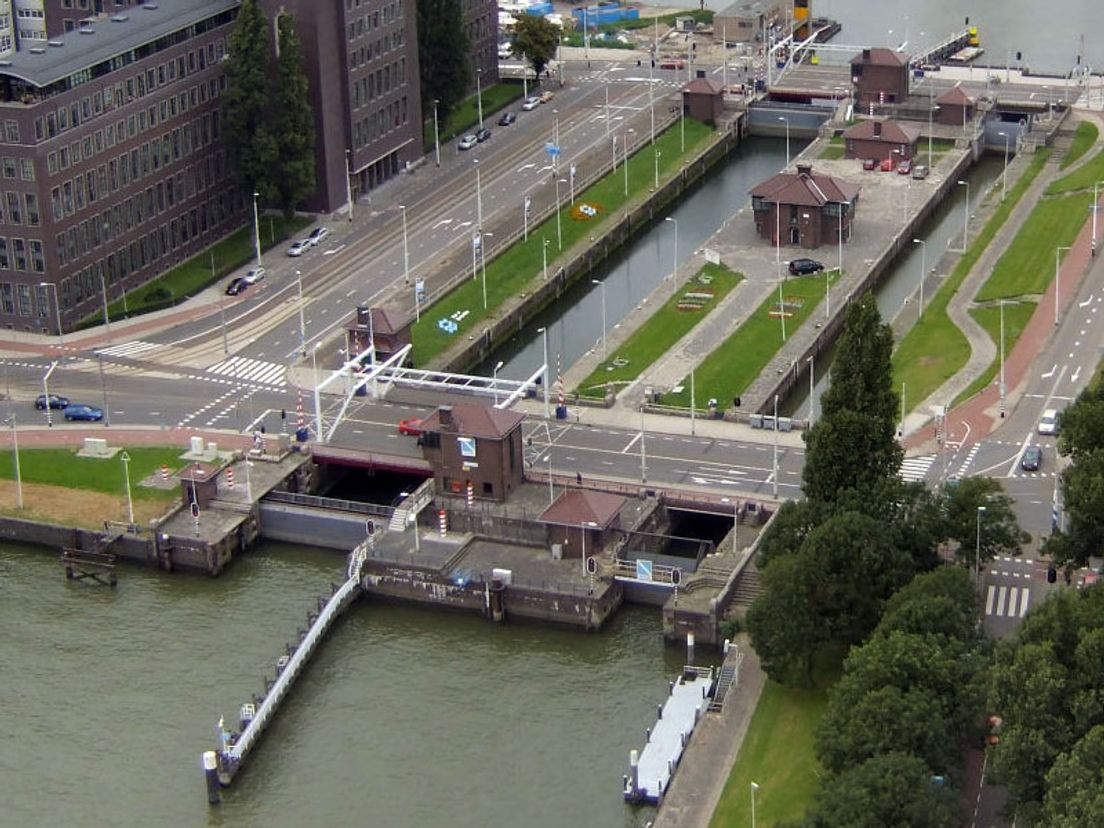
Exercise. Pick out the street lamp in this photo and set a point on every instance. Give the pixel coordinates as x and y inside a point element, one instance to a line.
<point>625,159</point>
<point>46,392</point>
<point>103,291</point>
<point>436,133</point>
<point>754,788</point>
<point>977,545</point>
<point>774,464</point>
<point>643,450</point>
<point>314,384</point>
<point>1002,357</point>
<point>349,181</point>
<point>602,286</point>
<point>544,257</point>
<point>18,472</point>
<point>302,318</point>
<point>406,249</point>
<point>256,228</point>
<point>126,478</point>
<point>657,154</point>
<point>787,120</point>
<point>966,217</point>
<point>544,370</point>
<point>57,308</point>
<point>1095,207</point>
<point>479,93</point>
<point>812,398</point>
<point>1004,175</point>
<point>478,196</point>
<point>674,265</point>
<point>923,271</point>
<point>483,264</point>
<point>494,375</point>
<point>559,228</point>
<point>1058,279</point>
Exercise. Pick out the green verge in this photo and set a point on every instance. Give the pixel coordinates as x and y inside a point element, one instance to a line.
<point>1082,178</point>
<point>732,367</point>
<point>193,275</point>
<point>935,349</point>
<point>511,273</point>
<point>1027,267</point>
<point>832,152</point>
<point>703,17</point>
<point>1016,317</point>
<point>1083,139</point>
<point>674,319</point>
<point>466,116</point>
<point>777,754</point>
<point>62,467</point>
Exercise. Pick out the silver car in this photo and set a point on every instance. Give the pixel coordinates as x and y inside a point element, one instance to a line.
<point>467,142</point>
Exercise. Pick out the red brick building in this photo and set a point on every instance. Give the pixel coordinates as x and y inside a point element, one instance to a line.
<point>880,76</point>
<point>582,518</point>
<point>380,325</point>
<point>880,140</point>
<point>804,208</point>
<point>477,444</point>
<point>703,100</point>
<point>956,108</point>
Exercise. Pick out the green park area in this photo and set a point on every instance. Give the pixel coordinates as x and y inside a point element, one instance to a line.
<point>777,754</point>
<point>1084,177</point>
<point>465,117</point>
<point>731,368</point>
<point>1083,139</point>
<point>1016,316</point>
<point>671,322</point>
<point>512,271</point>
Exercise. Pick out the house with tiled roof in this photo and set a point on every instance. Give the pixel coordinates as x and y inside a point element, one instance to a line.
<point>703,100</point>
<point>582,519</point>
<point>386,328</point>
<point>956,107</point>
<point>880,76</point>
<point>474,445</point>
<point>804,209</point>
<point>880,139</point>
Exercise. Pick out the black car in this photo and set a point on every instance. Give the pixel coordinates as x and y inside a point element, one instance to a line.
<point>236,286</point>
<point>803,267</point>
<point>1032,458</point>
<point>55,402</point>
<point>482,135</point>
<point>507,119</point>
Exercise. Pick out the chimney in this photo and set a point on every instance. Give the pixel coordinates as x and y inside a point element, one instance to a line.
<point>805,170</point>
<point>444,414</point>
<point>866,55</point>
<point>877,129</point>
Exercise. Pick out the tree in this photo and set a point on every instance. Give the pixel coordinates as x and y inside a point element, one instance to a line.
<point>443,50</point>
<point>862,370</point>
<point>1083,424</point>
<point>942,602</point>
<point>890,789</point>
<point>536,39</point>
<point>250,145</point>
<point>1083,498</point>
<point>997,526</point>
<point>295,123</point>
<point>783,629</point>
<point>789,528</point>
<point>1075,785</point>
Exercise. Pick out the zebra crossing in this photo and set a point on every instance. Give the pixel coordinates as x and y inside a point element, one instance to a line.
<point>915,469</point>
<point>1007,601</point>
<point>128,349</point>
<point>253,370</point>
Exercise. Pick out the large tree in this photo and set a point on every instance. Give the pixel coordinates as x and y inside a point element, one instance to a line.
<point>1075,784</point>
<point>536,39</point>
<point>996,526</point>
<point>295,120</point>
<point>1082,438</point>
<point>249,142</point>
<point>443,55</point>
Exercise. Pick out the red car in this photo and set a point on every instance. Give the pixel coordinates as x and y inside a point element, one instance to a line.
<point>887,165</point>
<point>905,167</point>
<point>411,427</point>
<point>869,163</point>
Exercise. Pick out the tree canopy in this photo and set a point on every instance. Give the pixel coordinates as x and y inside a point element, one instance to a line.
<point>443,55</point>
<point>294,127</point>
<point>245,127</point>
<point>536,39</point>
<point>997,526</point>
<point>1082,438</point>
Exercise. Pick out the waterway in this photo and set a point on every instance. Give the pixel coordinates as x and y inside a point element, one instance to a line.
<point>406,716</point>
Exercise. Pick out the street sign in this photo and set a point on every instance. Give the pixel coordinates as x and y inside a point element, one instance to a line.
<point>643,570</point>
<point>195,510</point>
<point>551,149</point>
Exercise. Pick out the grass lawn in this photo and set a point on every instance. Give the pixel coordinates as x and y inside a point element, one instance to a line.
<point>732,367</point>
<point>1082,178</point>
<point>703,17</point>
<point>935,349</point>
<point>1083,140</point>
<point>832,152</point>
<point>510,273</point>
<point>62,467</point>
<point>676,318</point>
<point>1027,266</point>
<point>777,754</point>
<point>466,116</point>
<point>193,275</point>
<point>1016,317</point>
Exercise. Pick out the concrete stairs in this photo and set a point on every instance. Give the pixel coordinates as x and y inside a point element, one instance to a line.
<point>747,587</point>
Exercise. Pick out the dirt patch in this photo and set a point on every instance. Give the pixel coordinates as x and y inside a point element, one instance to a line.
<point>69,507</point>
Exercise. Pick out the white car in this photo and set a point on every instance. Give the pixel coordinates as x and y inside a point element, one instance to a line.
<point>317,236</point>
<point>254,275</point>
<point>1050,421</point>
<point>299,248</point>
<point>531,104</point>
<point>467,142</point>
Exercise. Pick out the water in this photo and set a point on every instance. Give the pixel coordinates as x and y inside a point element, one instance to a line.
<point>405,717</point>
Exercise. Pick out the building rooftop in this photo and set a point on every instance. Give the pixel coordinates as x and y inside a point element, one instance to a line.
<point>703,86</point>
<point>805,188</point>
<point>956,96</point>
<point>473,420</point>
<point>749,8</point>
<point>880,57</point>
<point>888,131</point>
<point>583,507</point>
<point>104,36</point>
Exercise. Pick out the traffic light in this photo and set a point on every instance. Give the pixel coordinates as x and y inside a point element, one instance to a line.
<point>1052,575</point>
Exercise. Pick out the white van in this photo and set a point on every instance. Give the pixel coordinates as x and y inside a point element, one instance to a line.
<point>1049,422</point>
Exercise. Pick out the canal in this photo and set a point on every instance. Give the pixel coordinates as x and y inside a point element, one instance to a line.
<point>406,717</point>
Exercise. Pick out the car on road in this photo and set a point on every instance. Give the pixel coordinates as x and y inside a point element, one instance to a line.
<point>870,163</point>
<point>317,236</point>
<point>254,275</point>
<point>672,64</point>
<point>547,95</point>
<point>1050,422</point>
<point>531,104</point>
<point>237,285</point>
<point>803,267</point>
<point>919,172</point>
<point>411,427</point>
<point>886,165</point>
<point>904,167</point>
<point>299,248</point>
<point>55,402</point>
<point>1032,458</point>
<point>507,119</point>
<point>467,142</point>
<point>482,135</point>
<point>79,411</point>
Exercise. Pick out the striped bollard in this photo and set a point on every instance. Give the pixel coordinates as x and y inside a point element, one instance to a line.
<point>442,522</point>
<point>164,472</point>
<point>471,494</point>
<point>230,477</point>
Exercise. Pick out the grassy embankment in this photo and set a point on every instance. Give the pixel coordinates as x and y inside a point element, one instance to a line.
<point>465,118</point>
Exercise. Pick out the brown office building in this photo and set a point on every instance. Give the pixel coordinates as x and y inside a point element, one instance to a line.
<point>805,208</point>
<point>112,165</point>
<point>474,445</point>
<point>481,22</point>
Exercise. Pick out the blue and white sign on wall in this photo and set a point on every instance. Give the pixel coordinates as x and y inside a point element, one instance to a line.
<point>467,446</point>
<point>643,570</point>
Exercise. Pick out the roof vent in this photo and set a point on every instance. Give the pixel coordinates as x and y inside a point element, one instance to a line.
<point>57,44</point>
<point>120,18</point>
<point>37,50</point>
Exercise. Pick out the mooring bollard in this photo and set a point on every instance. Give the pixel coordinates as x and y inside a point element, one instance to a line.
<point>210,771</point>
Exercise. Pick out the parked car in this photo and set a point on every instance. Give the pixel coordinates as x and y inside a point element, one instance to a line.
<point>547,95</point>
<point>1032,458</point>
<point>55,402</point>
<point>411,427</point>
<point>317,236</point>
<point>299,248</point>
<point>237,285</point>
<point>254,275</point>
<point>870,163</point>
<point>507,119</point>
<point>482,135</point>
<point>919,172</point>
<point>803,267</point>
<point>531,104</point>
<point>672,64</point>
<point>886,165</point>
<point>1050,422</point>
<point>904,166</point>
<point>79,411</point>
<point>467,142</point>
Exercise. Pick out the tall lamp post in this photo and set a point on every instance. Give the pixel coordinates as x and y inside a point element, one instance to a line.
<point>774,463</point>
<point>787,120</point>
<point>436,133</point>
<point>754,788</point>
<point>977,545</point>
<point>923,271</point>
<point>483,264</point>
<point>479,93</point>
<point>966,217</point>
<point>674,263</point>
<point>544,370</point>
<point>57,308</point>
<point>126,479</point>
<point>494,376</point>
<point>544,257</point>
<point>1095,207</point>
<point>1002,387</point>
<point>103,291</point>
<point>18,472</point>
<point>302,317</point>
<point>1004,175</point>
<point>46,392</point>
<point>1058,280</point>
<point>559,227</point>
<point>602,287</point>
<point>256,228</point>
<point>406,248</point>
<point>657,154</point>
<point>348,181</point>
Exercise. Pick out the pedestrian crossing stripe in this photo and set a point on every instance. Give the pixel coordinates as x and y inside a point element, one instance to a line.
<point>915,469</point>
<point>254,370</point>
<point>1013,599</point>
<point>128,349</point>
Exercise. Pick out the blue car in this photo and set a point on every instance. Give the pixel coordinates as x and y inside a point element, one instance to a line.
<point>83,412</point>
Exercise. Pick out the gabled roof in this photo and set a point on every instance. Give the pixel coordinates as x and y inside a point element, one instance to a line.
<point>879,57</point>
<point>582,507</point>
<point>892,132</point>
<point>384,322</point>
<point>473,421</point>
<point>956,96</point>
<point>805,188</point>
<point>703,86</point>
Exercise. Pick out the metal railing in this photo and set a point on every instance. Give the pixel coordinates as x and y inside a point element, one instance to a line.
<point>331,503</point>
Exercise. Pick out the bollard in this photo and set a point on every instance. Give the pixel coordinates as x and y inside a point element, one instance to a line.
<point>210,771</point>
<point>682,738</point>
<point>690,646</point>
<point>634,770</point>
<point>697,713</point>
<point>670,688</point>
<point>647,735</point>
<point>659,711</point>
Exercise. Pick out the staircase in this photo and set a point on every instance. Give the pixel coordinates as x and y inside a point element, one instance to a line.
<point>398,519</point>
<point>747,587</point>
<point>725,679</point>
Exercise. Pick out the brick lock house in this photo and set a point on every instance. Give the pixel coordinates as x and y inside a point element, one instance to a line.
<point>582,519</point>
<point>880,139</point>
<point>880,76</point>
<point>956,108</point>
<point>703,100</point>
<point>474,444</point>
<point>805,209</point>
